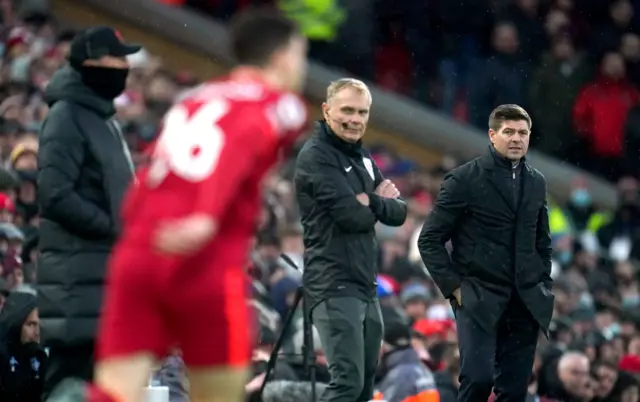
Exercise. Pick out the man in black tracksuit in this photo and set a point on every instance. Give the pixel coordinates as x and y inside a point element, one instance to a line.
<point>84,170</point>
<point>342,195</point>
<point>22,360</point>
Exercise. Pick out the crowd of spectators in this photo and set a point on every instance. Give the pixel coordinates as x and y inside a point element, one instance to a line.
<point>593,352</point>
<point>574,65</point>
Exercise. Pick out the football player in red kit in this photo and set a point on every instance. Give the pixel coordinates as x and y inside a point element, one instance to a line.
<point>176,274</point>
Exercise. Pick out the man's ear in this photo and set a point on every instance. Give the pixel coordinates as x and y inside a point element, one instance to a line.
<point>492,134</point>
<point>325,110</point>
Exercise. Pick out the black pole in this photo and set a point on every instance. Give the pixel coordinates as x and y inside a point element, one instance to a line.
<point>308,352</point>
<point>308,348</point>
<point>276,348</point>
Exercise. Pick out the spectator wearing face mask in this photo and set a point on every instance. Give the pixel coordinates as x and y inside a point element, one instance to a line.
<point>580,208</point>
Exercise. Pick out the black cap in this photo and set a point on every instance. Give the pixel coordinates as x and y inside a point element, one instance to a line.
<point>397,333</point>
<point>97,42</point>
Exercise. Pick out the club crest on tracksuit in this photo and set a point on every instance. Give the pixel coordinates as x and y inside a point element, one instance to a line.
<point>35,365</point>
<point>13,363</point>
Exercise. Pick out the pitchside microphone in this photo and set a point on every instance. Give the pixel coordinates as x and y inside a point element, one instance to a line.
<point>343,124</point>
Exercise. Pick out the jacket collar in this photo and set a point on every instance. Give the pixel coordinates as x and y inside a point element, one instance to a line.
<point>492,160</point>
<point>494,163</point>
<point>326,134</point>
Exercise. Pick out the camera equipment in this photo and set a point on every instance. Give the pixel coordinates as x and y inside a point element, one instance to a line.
<point>308,352</point>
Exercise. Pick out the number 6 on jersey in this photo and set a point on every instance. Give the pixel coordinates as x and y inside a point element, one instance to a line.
<point>190,143</point>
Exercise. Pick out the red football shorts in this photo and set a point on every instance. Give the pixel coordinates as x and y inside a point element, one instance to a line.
<point>154,303</point>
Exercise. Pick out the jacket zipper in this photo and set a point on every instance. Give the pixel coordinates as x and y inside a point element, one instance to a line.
<point>115,130</point>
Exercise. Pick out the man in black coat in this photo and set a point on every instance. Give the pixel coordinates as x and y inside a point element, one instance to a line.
<point>22,360</point>
<point>494,211</point>
<point>342,195</point>
<point>84,170</point>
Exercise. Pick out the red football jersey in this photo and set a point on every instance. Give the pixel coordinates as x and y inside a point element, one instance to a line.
<point>215,147</point>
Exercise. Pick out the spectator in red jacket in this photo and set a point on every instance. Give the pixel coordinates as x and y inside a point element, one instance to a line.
<point>630,362</point>
<point>600,111</point>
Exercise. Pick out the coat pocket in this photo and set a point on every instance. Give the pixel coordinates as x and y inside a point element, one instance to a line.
<point>469,294</point>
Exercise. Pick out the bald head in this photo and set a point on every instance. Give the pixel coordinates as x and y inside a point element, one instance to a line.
<point>573,371</point>
<point>572,360</point>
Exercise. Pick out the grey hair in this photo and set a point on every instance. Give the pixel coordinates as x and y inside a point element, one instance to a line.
<point>338,85</point>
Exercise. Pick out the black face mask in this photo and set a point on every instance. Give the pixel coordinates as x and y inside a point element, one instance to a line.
<point>109,83</point>
<point>28,175</point>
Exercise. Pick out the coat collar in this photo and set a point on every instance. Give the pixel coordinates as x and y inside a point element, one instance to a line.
<point>492,160</point>
<point>325,134</point>
<point>496,166</point>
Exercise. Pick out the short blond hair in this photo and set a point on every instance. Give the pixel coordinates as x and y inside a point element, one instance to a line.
<point>338,85</point>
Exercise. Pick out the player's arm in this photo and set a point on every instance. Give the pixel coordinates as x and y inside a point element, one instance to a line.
<point>329,188</point>
<point>228,169</point>
<point>195,147</point>
<point>61,155</point>
<point>390,211</point>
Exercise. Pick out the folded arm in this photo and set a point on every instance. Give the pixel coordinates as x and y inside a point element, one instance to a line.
<point>389,211</point>
<point>331,190</point>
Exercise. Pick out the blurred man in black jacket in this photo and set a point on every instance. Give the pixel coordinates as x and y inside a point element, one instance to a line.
<point>342,195</point>
<point>21,357</point>
<point>494,211</point>
<point>84,170</point>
